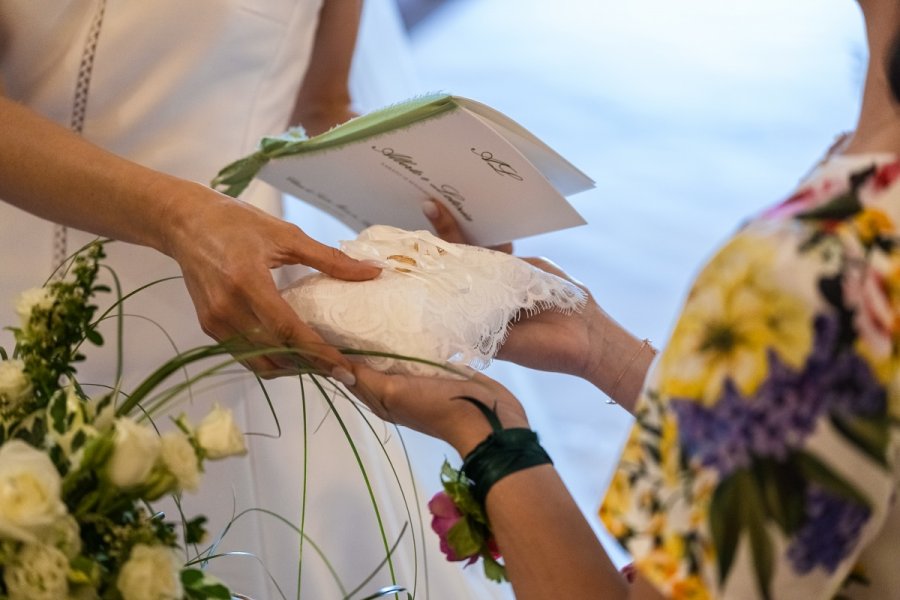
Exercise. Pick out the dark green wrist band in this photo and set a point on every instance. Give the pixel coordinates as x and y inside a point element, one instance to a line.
<point>502,453</point>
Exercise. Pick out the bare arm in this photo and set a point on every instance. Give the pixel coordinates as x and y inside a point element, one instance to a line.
<point>225,247</point>
<point>589,344</point>
<point>324,97</point>
<point>549,549</point>
<point>44,163</point>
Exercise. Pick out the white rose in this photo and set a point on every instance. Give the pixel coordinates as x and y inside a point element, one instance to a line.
<point>180,458</point>
<point>14,384</point>
<point>134,455</point>
<point>38,573</point>
<point>218,435</point>
<point>29,492</point>
<point>151,573</point>
<point>34,298</point>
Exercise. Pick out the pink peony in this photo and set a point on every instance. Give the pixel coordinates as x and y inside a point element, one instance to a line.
<point>445,516</point>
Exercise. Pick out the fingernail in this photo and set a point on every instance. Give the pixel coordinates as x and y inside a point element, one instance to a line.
<point>374,263</point>
<point>344,376</point>
<point>430,208</point>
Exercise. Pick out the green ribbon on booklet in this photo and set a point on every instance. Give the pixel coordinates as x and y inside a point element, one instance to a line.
<point>235,177</point>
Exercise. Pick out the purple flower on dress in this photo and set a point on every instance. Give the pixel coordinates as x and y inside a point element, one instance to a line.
<point>783,411</point>
<point>842,378</point>
<point>830,533</point>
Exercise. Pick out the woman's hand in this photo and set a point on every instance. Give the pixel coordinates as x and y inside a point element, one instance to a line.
<point>432,405</point>
<point>589,344</point>
<point>548,340</point>
<point>446,227</point>
<point>226,249</point>
<point>554,341</point>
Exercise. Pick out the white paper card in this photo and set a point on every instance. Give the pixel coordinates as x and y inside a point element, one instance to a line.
<point>470,164</point>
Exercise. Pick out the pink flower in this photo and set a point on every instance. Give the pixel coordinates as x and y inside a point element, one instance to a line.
<point>866,291</point>
<point>493,548</point>
<point>809,196</point>
<point>445,516</point>
<point>885,175</point>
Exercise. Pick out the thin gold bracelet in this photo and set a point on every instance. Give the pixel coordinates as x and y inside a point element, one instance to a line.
<point>645,343</point>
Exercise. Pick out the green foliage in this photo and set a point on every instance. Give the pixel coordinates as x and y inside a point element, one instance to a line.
<point>45,407</point>
<point>769,491</point>
<point>49,339</point>
<point>195,530</point>
<point>199,585</point>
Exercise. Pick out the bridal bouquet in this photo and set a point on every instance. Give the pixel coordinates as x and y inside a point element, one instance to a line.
<point>78,473</point>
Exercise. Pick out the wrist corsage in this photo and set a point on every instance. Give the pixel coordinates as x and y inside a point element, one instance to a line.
<point>462,524</point>
<point>459,516</point>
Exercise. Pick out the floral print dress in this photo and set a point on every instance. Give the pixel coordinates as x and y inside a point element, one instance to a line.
<point>763,461</point>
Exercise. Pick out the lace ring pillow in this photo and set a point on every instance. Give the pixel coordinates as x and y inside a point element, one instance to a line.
<point>434,301</point>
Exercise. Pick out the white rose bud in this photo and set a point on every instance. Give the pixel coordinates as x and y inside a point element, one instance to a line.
<point>180,459</point>
<point>218,435</point>
<point>134,455</point>
<point>105,418</point>
<point>38,573</point>
<point>29,492</point>
<point>151,573</point>
<point>34,298</point>
<point>14,384</point>
<point>66,536</point>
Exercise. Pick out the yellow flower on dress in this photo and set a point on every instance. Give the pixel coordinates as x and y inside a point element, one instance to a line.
<point>872,223</point>
<point>659,567</point>
<point>618,499</point>
<point>893,398</point>
<point>732,318</point>
<point>669,451</point>
<point>690,588</point>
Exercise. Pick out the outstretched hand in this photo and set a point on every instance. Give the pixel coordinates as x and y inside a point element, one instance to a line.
<point>548,340</point>
<point>432,405</point>
<point>226,249</point>
<point>555,341</point>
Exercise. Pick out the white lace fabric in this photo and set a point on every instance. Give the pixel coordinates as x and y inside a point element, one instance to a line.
<point>434,300</point>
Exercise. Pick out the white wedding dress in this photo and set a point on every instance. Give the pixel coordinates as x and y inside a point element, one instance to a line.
<point>186,87</point>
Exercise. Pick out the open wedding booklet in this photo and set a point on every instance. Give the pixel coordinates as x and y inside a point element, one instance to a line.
<point>501,182</point>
